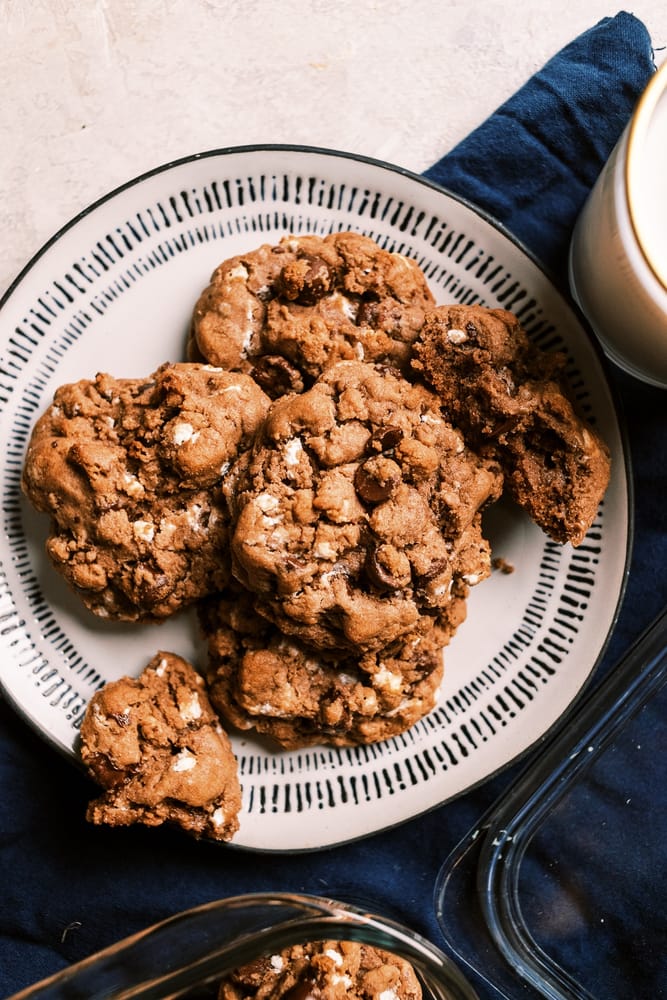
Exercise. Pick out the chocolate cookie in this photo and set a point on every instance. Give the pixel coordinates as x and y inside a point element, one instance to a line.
<point>157,748</point>
<point>508,398</point>
<point>260,679</point>
<point>357,509</point>
<point>327,970</point>
<point>130,471</point>
<point>285,313</point>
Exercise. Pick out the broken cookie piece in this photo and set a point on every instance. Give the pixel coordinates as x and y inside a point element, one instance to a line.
<point>508,398</point>
<point>156,746</point>
<point>327,970</point>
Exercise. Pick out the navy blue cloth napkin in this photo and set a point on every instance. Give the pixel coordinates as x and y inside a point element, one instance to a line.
<point>67,888</point>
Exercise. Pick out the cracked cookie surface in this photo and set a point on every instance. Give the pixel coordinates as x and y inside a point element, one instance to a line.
<point>328,970</point>
<point>508,397</point>
<point>260,679</point>
<point>157,748</point>
<point>284,313</point>
<point>357,510</point>
<point>130,471</point>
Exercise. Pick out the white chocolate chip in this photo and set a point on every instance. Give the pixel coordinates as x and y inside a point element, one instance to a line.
<point>384,678</point>
<point>184,432</point>
<point>184,761</point>
<point>293,449</point>
<point>193,709</point>
<point>324,550</point>
<point>132,486</point>
<point>238,273</point>
<point>218,817</point>
<point>267,503</point>
<point>455,336</point>
<point>144,530</point>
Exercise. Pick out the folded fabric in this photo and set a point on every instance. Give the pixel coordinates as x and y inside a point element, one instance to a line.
<point>69,889</point>
<point>532,163</point>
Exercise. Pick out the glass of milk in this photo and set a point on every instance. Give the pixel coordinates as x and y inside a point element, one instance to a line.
<point>618,252</point>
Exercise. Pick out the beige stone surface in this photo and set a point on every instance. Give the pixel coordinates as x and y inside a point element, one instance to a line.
<point>95,92</point>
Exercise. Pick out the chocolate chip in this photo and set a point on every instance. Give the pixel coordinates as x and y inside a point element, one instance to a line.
<point>376,479</point>
<point>276,376</point>
<point>385,439</point>
<point>367,313</point>
<point>104,773</point>
<point>305,280</point>
<point>378,574</point>
<point>302,989</point>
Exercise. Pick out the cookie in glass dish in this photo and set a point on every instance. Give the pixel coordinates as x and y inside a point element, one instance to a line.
<point>327,970</point>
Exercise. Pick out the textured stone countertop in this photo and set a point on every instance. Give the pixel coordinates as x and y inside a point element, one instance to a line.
<point>98,91</point>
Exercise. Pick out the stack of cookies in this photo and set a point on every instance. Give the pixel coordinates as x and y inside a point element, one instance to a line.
<point>312,478</point>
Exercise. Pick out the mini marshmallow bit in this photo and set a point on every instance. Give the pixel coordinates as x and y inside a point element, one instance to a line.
<point>384,678</point>
<point>194,516</point>
<point>132,486</point>
<point>471,578</point>
<point>143,530</point>
<point>346,678</point>
<point>292,450</point>
<point>238,273</point>
<point>277,963</point>
<point>184,761</point>
<point>324,550</point>
<point>345,980</point>
<point>246,345</point>
<point>348,308</point>
<point>184,432</point>
<point>455,336</point>
<point>267,503</point>
<point>334,955</point>
<point>218,817</point>
<point>192,710</point>
<point>161,667</point>
<point>388,995</point>
<point>359,351</point>
<point>110,422</point>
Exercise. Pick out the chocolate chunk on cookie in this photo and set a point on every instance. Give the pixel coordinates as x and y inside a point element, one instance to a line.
<point>508,397</point>
<point>157,748</point>
<point>354,509</point>
<point>130,471</point>
<point>284,313</point>
<point>261,679</point>
<point>327,970</point>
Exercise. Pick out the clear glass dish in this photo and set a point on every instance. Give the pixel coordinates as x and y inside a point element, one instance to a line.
<point>188,954</point>
<point>561,890</point>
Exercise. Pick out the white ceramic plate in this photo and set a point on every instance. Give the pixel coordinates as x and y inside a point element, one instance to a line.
<point>113,292</point>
